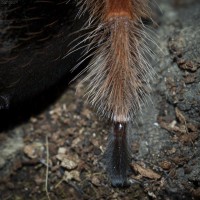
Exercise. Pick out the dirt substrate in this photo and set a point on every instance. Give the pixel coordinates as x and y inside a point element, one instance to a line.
<point>57,154</point>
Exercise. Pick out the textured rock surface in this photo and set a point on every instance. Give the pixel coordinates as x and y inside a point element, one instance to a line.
<point>166,142</point>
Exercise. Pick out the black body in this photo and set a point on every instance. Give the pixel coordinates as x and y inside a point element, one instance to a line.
<point>34,38</point>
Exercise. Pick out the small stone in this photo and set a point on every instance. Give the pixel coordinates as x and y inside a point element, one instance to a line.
<point>166,165</point>
<point>96,181</point>
<point>172,151</point>
<point>34,150</point>
<point>2,162</point>
<point>97,151</point>
<point>33,120</point>
<point>75,142</point>
<point>62,150</point>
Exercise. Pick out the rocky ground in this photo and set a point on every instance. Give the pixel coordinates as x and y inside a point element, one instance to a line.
<point>57,153</point>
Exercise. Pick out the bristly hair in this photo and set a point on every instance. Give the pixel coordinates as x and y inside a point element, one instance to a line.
<point>119,71</point>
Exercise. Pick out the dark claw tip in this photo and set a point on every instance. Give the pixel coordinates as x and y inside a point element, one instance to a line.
<point>120,183</point>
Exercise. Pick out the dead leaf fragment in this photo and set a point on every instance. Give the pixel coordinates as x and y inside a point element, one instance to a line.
<point>68,164</point>
<point>68,176</point>
<point>66,161</point>
<point>180,116</point>
<point>148,173</point>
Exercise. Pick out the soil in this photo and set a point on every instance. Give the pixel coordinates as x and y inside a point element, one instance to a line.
<point>58,152</point>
